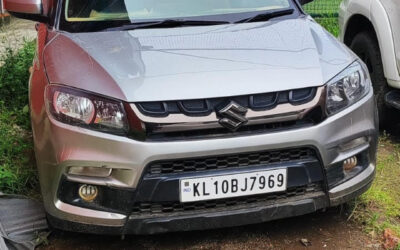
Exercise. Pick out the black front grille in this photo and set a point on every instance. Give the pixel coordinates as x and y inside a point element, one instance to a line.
<point>202,107</point>
<point>149,208</point>
<point>230,161</point>
<point>156,130</point>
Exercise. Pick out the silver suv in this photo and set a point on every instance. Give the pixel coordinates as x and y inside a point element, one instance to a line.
<point>171,115</point>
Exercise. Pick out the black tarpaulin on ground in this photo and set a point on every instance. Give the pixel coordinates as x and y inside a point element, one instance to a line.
<point>23,223</point>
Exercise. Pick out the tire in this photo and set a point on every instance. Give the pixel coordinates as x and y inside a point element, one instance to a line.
<point>365,45</point>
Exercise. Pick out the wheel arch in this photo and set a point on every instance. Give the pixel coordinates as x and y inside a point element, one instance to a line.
<point>357,24</point>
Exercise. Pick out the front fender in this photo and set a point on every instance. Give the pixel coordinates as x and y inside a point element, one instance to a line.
<point>381,22</point>
<point>350,8</point>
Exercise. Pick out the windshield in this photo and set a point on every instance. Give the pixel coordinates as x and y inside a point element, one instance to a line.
<point>114,12</point>
<point>95,10</point>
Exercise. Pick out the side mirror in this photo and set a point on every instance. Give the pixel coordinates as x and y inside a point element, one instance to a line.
<point>35,10</point>
<point>303,2</point>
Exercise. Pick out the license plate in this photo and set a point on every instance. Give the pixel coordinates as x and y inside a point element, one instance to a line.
<point>234,185</point>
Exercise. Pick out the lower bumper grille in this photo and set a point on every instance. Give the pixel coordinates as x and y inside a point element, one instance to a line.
<point>148,208</point>
<point>230,161</point>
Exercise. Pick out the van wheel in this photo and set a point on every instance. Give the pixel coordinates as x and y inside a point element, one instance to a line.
<point>366,46</point>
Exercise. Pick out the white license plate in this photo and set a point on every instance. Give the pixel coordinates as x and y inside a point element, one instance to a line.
<point>234,185</point>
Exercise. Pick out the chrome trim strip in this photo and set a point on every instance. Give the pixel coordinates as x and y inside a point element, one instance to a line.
<point>181,122</point>
<point>90,216</point>
<point>173,118</point>
<point>349,153</point>
<point>100,181</point>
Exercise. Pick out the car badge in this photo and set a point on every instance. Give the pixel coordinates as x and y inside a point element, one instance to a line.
<point>233,116</point>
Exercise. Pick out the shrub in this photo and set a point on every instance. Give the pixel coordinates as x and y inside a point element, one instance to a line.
<point>14,76</point>
<point>17,165</point>
<point>17,168</point>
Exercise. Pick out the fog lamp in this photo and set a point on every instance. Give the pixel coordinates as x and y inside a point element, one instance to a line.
<point>350,163</point>
<point>88,192</point>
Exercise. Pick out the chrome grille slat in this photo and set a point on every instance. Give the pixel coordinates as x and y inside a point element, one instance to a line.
<point>203,107</point>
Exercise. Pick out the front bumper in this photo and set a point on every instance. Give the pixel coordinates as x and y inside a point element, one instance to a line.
<point>295,206</point>
<point>59,146</point>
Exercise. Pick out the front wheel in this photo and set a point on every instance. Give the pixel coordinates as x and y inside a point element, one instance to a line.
<point>365,45</point>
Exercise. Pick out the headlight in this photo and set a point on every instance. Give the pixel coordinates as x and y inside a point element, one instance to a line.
<point>348,87</point>
<point>83,109</point>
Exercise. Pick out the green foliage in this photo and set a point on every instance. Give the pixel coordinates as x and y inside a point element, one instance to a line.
<point>17,170</point>
<point>323,8</point>
<point>379,207</point>
<point>331,24</point>
<point>17,167</point>
<point>14,76</point>
<point>325,12</point>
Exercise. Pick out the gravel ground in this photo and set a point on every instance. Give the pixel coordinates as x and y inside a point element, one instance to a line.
<point>321,230</point>
<point>12,35</point>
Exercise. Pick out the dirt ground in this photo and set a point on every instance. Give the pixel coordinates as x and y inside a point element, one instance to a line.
<point>323,230</point>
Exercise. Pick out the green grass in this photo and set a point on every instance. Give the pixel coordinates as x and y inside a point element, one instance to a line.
<point>14,75</point>
<point>331,24</point>
<point>325,12</point>
<point>17,169</point>
<point>17,166</point>
<point>323,8</point>
<point>379,207</point>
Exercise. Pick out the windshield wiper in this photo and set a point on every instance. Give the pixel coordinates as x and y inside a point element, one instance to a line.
<point>168,23</point>
<point>267,15</point>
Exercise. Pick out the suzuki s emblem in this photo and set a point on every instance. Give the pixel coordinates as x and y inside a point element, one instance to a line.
<point>233,116</point>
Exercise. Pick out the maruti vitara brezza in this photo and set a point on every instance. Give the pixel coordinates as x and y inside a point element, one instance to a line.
<point>152,116</point>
